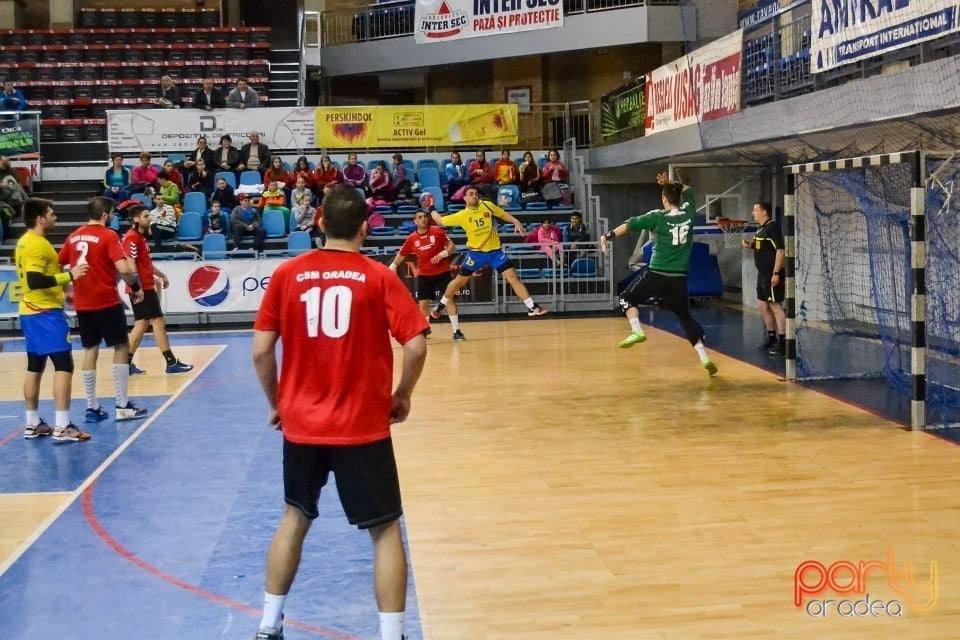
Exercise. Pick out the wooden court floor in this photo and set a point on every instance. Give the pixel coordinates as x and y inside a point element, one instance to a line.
<point>556,486</point>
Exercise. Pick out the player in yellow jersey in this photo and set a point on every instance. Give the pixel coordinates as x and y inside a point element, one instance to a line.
<point>483,249</point>
<point>43,322</point>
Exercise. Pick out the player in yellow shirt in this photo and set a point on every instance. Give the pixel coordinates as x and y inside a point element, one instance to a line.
<point>483,249</point>
<point>44,323</point>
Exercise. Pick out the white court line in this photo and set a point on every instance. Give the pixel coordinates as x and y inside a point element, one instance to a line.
<point>76,493</point>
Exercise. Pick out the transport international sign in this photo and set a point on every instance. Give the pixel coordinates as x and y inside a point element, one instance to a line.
<point>445,20</point>
<point>845,31</point>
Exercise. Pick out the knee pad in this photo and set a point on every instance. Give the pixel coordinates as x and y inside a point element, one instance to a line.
<point>62,361</point>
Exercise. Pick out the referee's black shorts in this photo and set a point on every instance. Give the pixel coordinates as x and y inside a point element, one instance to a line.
<point>766,291</point>
<point>149,308</point>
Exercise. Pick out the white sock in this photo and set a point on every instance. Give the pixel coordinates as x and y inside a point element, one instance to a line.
<point>455,323</point>
<point>272,610</point>
<point>62,418</point>
<point>443,300</point>
<point>90,388</point>
<point>391,626</point>
<point>121,378</point>
<point>33,417</point>
<point>530,303</point>
<point>635,325</point>
<point>701,351</point>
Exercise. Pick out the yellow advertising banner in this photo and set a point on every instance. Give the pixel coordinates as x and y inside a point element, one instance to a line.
<point>440,125</point>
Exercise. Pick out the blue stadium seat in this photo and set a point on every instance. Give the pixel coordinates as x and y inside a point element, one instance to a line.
<point>528,274</point>
<point>429,177</point>
<point>381,231</point>
<point>536,206</point>
<point>407,208</point>
<point>114,222</point>
<point>214,246</point>
<point>229,176</point>
<point>195,201</point>
<point>583,268</point>
<point>191,226</point>
<point>427,163</point>
<point>176,158</point>
<point>251,177</point>
<point>407,227</point>
<point>299,242</point>
<point>274,224</point>
<point>144,200</point>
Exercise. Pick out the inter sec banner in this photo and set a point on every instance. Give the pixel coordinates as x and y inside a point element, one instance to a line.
<point>703,85</point>
<point>20,140</point>
<point>445,20</point>
<point>160,130</point>
<point>416,126</point>
<point>845,31</point>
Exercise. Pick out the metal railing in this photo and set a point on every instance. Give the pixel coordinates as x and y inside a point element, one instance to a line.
<point>563,276</point>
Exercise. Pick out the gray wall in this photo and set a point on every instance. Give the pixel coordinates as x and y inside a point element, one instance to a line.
<point>588,31</point>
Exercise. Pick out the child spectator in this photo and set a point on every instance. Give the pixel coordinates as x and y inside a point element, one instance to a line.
<point>505,170</point>
<point>300,200</point>
<point>380,184</point>
<point>163,221</point>
<point>168,190</point>
<point>214,219</point>
<point>244,221</point>
<point>273,198</point>
<point>401,179</point>
<point>172,173</point>
<point>276,172</point>
<point>224,193</point>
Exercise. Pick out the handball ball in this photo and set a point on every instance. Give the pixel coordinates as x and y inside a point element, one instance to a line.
<point>426,201</point>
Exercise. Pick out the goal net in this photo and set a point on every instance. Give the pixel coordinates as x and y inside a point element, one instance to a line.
<point>854,281</point>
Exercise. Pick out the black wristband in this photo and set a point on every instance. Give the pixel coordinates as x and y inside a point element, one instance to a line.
<point>610,235</point>
<point>135,286</point>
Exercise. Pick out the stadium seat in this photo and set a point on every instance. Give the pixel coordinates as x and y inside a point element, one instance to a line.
<point>536,206</point>
<point>407,209</point>
<point>298,242</point>
<point>407,227</point>
<point>424,164</point>
<point>144,200</point>
<point>381,231</point>
<point>176,158</point>
<point>429,177</point>
<point>229,176</point>
<point>195,201</point>
<point>583,268</point>
<point>190,226</point>
<point>214,246</point>
<point>274,224</point>
<point>251,177</point>
<point>528,274</point>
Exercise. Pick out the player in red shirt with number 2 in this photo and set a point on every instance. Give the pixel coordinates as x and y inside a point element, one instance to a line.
<point>340,308</point>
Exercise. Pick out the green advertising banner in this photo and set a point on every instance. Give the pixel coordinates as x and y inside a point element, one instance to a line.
<point>623,109</point>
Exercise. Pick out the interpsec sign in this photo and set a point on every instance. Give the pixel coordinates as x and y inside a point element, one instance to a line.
<point>444,20</point>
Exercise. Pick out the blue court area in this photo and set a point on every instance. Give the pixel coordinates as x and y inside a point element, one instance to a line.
<point>171,540</point>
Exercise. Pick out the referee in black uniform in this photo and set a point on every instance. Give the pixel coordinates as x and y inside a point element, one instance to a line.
<point>768,254</point>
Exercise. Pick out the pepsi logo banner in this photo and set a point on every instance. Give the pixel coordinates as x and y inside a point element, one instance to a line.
<point>445,20</point>
<point>216,286</point>
<point>701,86</point>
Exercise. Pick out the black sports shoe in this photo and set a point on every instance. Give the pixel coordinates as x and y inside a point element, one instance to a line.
<point>770,343</point>
<point>778,349</point>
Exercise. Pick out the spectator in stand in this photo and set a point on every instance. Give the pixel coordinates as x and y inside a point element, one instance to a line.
<point>505,170</point>
<point>354,174</point>
<point>224,195</point>
<point>168,191</point>
<point>400,187</point>
<point>12,99</point>
<point>300,202</point>
<point>549,238</point>
<point>172,174</point>
<point>208,97</point>
<point>227,157</point>
<point>163,221</point>
<point>116,180</point>
<point>144,175</point>
<point>200,179</point>
<point>169,94</point>
<point>276,172</point>
<point>243,96</point>
<point>480,170</point>
<point>302,168</point>
<point>274,198</point>
<point>529,174</point>
<point>12,196</point>
<point>326,174</point>
<point>317,233</point>
<point>456,175</point>
<point>254,155</point>
<point>554,170</point>
<point>576,232</point>
<point>380,183</point>
<point>245,221</point>
<point>215,218</point>
<point>202,151</point>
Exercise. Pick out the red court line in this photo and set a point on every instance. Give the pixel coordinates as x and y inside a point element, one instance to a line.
<point>91,517</point>
<point>13,434</point>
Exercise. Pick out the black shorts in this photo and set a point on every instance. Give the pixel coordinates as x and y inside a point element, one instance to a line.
<point>108,325</point>
<point>672,291</point>
<point>432,287</point>
<point>765,289</point>
<point>366,477</point>
<point>149,308</point>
